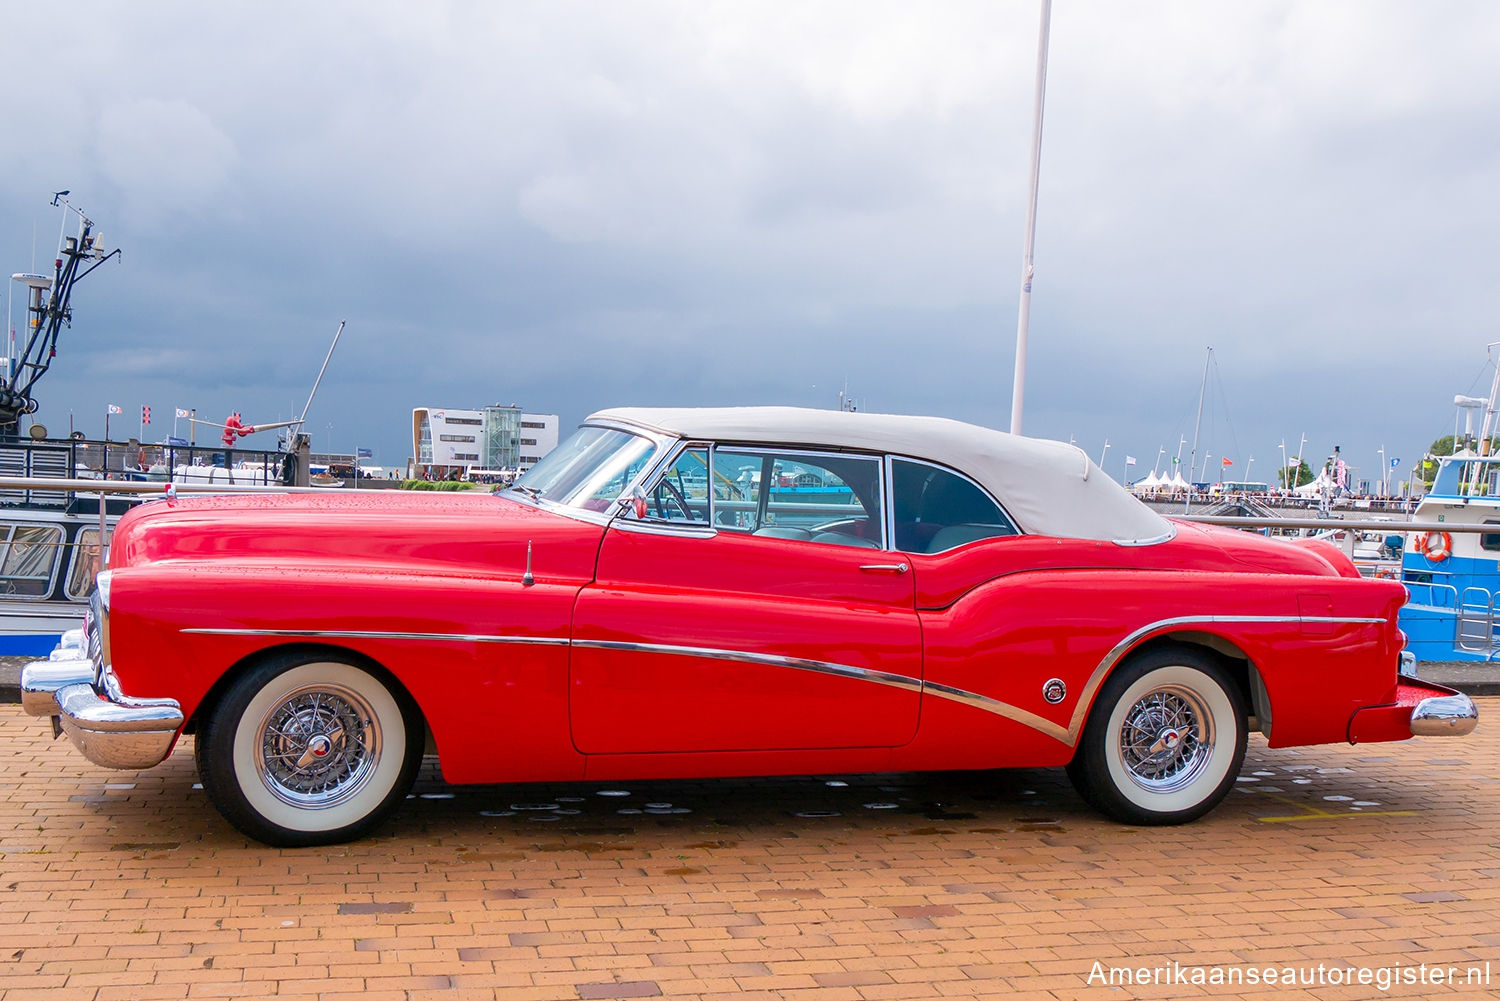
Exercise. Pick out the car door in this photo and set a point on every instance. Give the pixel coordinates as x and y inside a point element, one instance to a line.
<point>747,601</point>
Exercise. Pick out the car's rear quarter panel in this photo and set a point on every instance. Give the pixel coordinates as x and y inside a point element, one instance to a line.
<point>1007,637</point>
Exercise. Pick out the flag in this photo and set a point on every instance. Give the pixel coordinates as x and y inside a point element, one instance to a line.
<point>1176,461</point>
<point>181,412</point>
<point>145,415</point>
<point>1227,462</point>
<point>114,409</point>
<point>1129,460</point>
<point>363,453</point>
<point>1294,463</point>
<point>1395,463</point>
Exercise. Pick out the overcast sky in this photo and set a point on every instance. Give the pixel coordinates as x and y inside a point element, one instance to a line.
<point>580,205</point>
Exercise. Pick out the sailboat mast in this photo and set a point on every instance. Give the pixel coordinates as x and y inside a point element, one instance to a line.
<point>1187,504</point>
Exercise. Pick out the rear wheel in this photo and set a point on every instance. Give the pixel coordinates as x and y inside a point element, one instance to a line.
<point>1164,741</point>
<point>309,749</point>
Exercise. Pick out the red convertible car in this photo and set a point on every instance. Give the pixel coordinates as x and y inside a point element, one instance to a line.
<point>676,593</point>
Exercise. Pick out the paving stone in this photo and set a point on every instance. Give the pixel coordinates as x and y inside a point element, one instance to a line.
<point>119,885</point>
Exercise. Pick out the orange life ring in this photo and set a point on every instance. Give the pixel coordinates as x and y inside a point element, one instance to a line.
<point>1436,546</point>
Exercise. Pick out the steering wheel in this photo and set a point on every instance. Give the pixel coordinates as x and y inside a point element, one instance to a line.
<point>677,498</point>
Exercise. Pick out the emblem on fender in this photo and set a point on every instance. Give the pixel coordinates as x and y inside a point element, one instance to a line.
<point>1054,691</point>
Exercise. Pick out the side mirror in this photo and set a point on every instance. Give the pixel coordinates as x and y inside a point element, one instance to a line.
<point>634,502</point>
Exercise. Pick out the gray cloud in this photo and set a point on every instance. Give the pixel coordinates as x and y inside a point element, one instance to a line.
<point>574,205</point>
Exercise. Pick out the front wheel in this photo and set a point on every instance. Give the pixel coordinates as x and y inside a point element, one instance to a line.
<point>1164,740</point>
<point>309,749</point>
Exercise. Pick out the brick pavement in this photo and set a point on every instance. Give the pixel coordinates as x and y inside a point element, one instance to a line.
<point>118,885</point>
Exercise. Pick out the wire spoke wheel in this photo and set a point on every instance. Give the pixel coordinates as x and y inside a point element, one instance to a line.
<point>1167,739</point>
<point>319,746</point>
<point>1164,739</point>
<point>310,747</point>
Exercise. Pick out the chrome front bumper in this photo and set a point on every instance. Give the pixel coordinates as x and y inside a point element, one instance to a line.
<point>1444,716</point>
<point>109,727</point>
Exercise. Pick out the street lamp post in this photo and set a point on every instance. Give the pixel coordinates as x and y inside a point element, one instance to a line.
<point>1023,320</point>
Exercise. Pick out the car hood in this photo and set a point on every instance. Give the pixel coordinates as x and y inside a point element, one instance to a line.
<point>398,530</point>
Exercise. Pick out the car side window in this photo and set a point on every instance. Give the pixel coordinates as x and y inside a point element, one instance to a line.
<point>735,486</point>
<point>938,510</point>
<point>680,494</point>
<point>811,497</point>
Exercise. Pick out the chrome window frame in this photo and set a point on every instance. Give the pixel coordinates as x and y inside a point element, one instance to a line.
<point>817,452</point>
<point>891,460</point>
<point>649,525</point>
<point>663,444</point>
<point>7,529</point>
<point>660,526</point>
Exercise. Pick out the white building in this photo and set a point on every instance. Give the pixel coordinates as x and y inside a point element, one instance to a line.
<point>446,442</point>
<point>538,437</point>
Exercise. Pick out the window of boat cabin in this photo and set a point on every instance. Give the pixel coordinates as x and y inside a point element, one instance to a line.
<point>808,496</point>
<point>28,559</point>
<point>1490,540</point>
<point>938,510</point>
<point>84,565</point>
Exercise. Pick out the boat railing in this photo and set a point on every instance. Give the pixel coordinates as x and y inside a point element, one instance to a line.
<point>1474,628</point>
<point>1350,527</point>
<point>27,461</point>
<point>1433,595</point>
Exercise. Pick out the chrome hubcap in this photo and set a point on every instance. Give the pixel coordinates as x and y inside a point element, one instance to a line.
<point>318,746</point>
<point>1166,739</point>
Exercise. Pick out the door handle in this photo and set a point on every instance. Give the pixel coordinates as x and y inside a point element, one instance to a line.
<point>888,567</point>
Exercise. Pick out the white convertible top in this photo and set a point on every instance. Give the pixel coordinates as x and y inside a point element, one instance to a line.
<point>1048,487</point>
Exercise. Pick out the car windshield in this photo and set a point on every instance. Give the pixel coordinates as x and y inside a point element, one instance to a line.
<point>590,470</point>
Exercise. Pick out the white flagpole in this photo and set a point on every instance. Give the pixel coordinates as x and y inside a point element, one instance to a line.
<point>1023,320</point>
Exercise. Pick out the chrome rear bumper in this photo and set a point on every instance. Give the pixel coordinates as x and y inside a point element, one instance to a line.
<point>1444,716</point>
<point>111,729</point>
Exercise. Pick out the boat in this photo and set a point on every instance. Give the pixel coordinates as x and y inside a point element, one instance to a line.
<point>52,517</point>
<point>49,538</point>
<point>1452,576</point>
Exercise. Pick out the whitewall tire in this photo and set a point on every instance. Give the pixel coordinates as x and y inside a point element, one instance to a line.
<point>309,748</point>
<point>1164,740</point>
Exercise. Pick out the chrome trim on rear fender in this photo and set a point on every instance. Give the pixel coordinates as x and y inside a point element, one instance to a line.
<point>1086,697</point>
<point>1444,716</point>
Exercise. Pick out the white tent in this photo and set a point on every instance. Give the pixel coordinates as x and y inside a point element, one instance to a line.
<point>1150,485</point>
<point>1315,487</point>
<point>1177,482</point>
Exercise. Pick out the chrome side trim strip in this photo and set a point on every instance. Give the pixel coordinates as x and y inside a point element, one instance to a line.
<point>680,529</point>
<point>1005,709</point>
<point>378,634</point>
<point>1066,734</point>
<point>766,659</point>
